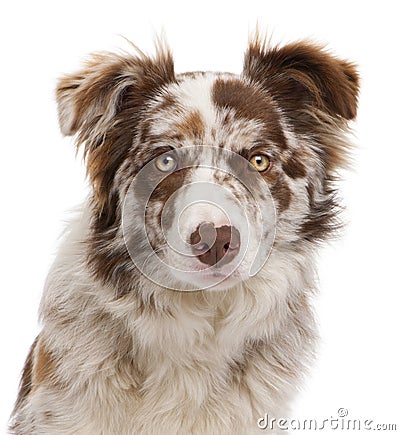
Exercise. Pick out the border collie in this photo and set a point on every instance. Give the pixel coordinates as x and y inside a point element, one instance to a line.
<point>179,301</point>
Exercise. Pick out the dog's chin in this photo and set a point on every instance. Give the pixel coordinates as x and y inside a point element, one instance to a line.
<point>213,279</point>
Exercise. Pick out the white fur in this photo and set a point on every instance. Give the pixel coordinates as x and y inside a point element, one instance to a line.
<point>159,361</point>
<point>179,361</point>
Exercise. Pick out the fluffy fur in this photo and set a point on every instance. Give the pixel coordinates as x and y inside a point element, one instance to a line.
<point>121,354</point>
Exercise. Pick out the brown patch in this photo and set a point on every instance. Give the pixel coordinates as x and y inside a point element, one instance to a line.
<point>321,220</point>
<point>169,185</point>
<point>44,366</point>
<point>294,168</point>
<point>281,193</point>
<point>304,74</point>
<point>192,126</point>
<point>109,264</point>
<point>39,368</point>
<point>250,103</point>
<point>25,385</point>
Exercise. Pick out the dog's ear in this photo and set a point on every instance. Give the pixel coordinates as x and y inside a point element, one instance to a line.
<point>103,104</point>
<point>92,96</point>
<point>302,76</point>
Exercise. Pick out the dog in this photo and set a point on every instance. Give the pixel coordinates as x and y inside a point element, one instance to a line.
<point>180,298</point>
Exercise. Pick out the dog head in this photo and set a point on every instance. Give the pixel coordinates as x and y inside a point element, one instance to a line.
<point>197,176</point>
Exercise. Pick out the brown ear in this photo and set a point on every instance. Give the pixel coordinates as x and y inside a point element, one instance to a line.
<point>93,95</point>
<point>111,90</point>
<point>304,76</point>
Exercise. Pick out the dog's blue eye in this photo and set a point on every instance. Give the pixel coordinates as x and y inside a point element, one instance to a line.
<point>165,163</point>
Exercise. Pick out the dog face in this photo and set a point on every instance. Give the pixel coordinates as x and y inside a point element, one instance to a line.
<point>207,203</point>
<point>197,176</point>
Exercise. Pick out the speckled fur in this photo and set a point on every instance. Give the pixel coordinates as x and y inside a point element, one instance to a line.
<point>119,354</point>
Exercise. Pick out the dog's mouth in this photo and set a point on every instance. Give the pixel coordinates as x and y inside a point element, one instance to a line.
<point>219,274</point>
<point>214,276</point>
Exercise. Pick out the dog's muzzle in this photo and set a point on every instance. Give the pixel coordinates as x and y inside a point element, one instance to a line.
<point>215,246</point>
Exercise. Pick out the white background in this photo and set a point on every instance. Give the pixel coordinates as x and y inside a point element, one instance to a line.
<point>358,307</point>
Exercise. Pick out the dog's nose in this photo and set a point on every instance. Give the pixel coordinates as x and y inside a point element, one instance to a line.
<point>215,245</point>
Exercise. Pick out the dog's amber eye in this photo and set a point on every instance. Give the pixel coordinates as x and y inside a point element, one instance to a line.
<point>260,162</point>
<point>165,163</point>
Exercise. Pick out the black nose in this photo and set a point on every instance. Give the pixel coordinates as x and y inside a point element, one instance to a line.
<point>215,245</point>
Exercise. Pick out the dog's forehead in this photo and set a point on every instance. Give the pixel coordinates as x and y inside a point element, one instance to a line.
<point>194,93</point>
<point>217,109</point>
